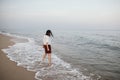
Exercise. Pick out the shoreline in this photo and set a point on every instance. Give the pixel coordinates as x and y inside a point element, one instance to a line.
<point>9,69</point>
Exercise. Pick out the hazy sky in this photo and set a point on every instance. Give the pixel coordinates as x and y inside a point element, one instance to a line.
<point>60,13</point>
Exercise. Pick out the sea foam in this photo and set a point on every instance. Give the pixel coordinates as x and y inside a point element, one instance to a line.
<point>28,55</point>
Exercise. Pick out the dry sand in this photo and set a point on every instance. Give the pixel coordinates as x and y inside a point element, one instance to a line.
<point>9,69</point>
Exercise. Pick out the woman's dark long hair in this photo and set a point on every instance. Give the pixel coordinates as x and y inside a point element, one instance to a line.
<point>49,33</point>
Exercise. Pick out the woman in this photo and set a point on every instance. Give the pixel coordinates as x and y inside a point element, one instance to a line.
<point>47,46</point>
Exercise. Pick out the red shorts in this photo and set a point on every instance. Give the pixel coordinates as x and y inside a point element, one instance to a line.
<point>46,50</point>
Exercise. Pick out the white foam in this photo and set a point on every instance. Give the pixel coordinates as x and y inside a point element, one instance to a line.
<point>28,56</point>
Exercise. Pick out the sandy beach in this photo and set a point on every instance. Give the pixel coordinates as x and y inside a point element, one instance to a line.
<point>9,69</point>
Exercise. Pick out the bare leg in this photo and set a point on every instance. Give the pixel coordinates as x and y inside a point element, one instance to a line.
<point>44,56</point>
<point>49,59</point>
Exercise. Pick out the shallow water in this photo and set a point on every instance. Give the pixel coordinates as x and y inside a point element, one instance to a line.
<point>97,53</point>
<point>77,55</point>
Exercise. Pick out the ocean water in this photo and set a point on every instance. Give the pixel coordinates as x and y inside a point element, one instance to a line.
<point>77,55</point>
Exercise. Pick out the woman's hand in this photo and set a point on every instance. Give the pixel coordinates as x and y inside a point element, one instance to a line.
<point>47,47</point>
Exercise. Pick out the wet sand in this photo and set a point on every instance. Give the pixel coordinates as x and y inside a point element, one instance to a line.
<point>9,69</point>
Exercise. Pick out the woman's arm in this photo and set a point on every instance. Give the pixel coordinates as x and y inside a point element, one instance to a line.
<point>47,46</point>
